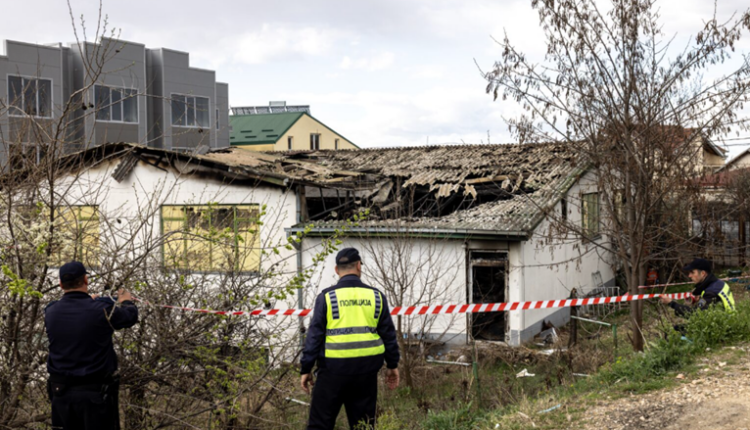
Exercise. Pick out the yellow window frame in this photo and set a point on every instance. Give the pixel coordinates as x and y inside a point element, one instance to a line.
<point>591,214</point>
<point>83,221</point>
<point>198,245</point>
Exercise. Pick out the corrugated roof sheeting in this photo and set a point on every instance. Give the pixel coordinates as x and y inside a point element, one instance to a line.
<point>534,176</point>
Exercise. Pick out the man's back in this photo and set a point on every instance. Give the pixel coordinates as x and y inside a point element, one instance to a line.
<point>320,327</point>
<point>80,330</point>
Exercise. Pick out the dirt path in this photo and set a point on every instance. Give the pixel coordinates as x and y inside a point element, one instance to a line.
<point>718,397</point>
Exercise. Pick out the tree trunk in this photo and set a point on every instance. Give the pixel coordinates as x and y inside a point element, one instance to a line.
<point>405,353</point>
<point>636,309</point>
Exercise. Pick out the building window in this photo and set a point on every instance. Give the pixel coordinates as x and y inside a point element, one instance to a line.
<point>217,119</point>
<point>190,111</point>
<point>77,236</point>
<point>211,238</point>
<point>314,142</point>
<point>116,104</point>
<point>289,143</point>
<point>336,144</point>
<point>590,210</point>
<point>25,155</point>
<point>29,96</point>
<point>564,209</point>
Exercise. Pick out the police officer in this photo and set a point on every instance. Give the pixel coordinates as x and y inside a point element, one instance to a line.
<point>350,335</point>
<point>708,290</point>
<point>82,385</point>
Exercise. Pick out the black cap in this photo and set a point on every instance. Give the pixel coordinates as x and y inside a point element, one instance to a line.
<point>698,264</point>
<point>72,271</point>
<point>347,255</point>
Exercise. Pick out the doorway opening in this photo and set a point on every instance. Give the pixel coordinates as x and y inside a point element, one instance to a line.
<point>488,280</point>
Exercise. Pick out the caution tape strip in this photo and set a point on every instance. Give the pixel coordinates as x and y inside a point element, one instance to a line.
<point>471,308</point>
<point>734,279</point>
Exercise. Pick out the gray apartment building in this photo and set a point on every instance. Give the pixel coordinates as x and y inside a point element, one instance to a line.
<point>192,107</point>
<point>112,91</point>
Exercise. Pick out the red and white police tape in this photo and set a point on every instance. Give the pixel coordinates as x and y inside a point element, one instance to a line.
<point>734,279</point>
<point>472,308</point>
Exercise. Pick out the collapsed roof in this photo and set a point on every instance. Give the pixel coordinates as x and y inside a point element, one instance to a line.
<point>479,190</point>
<point>494,190</point>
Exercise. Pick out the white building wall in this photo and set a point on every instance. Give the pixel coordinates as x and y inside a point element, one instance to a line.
<point>548,267</point>
<point>434,270</point>
<point>132,208</point>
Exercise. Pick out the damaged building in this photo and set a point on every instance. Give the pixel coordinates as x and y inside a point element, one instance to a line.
<point>444,224</point>
<point>477,224</point>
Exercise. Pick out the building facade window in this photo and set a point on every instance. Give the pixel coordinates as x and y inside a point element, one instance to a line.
<point>336,144</point>
<point>116,104</point>
<point>211,238</point>
<point>590,214</point>
<point>290,143</point>
<point>77,236</point>
<point>217,119</point>
<point>315,141</point>
<point>190,111</point>
<point>29,96</point>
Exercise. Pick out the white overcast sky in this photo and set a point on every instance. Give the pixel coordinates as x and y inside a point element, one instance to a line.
<point>382,73</point>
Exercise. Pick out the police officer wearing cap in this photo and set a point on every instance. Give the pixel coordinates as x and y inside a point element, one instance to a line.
<point>350,335</point>
<point>708,290</point>
<point>82,363</point>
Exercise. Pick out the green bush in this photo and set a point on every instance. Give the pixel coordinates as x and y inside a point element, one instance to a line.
<point>715,326</point>
<point>704,329</point>
<point>461,418</point>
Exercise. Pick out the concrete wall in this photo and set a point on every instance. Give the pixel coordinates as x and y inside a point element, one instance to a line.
<point>30,61</point>
<point>435,273</point>
<point>222,108</point>
<point>176,77</point>
<point>549,266</point>
<point>154,74</point>
<point>131,210</point>
<point>124,67</point>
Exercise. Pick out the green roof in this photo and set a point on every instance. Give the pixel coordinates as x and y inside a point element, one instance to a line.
<point>260,129</point>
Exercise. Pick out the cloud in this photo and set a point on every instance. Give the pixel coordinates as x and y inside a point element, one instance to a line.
<point>279,43</point>
<point>425,71</point>
<point>442,114</point>
<point>380,61</point>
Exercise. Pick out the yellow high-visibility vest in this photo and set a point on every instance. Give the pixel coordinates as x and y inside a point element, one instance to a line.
<point>726,298</point>
<point>351,330</point>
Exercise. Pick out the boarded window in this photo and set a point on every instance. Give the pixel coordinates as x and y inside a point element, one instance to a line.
<point>77,235</point>
<point>590,211</point>
<point>211,238</point>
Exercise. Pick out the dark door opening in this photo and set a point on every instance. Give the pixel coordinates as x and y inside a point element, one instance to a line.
<point>488,285</point>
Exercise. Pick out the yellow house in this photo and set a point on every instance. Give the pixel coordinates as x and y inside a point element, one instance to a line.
<point>285,131</point>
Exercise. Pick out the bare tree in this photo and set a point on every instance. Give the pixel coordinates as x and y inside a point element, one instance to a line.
<point>642,111</point>
<point>414,271</point>
<point>186,370</point>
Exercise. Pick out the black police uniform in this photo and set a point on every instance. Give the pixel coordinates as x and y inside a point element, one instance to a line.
<point>82,361</point>
<point>351,382</point>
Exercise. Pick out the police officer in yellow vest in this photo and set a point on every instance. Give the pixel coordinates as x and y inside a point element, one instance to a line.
<point>708,290</point>
<point>350,336</point>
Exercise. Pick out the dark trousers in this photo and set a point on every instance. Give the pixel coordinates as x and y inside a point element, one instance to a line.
<point>84,408</point>
<point>357,393</point>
